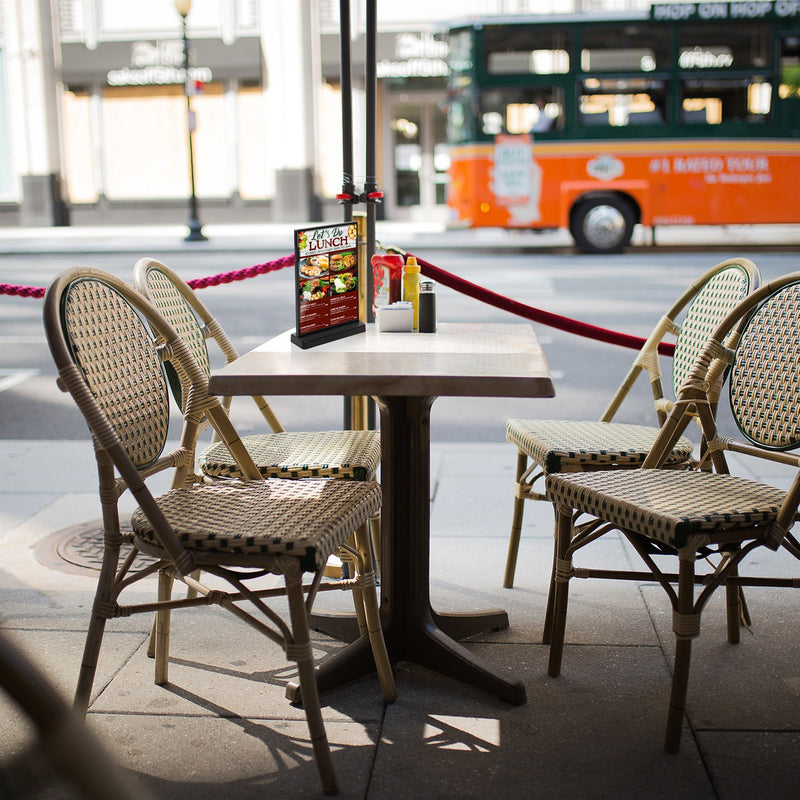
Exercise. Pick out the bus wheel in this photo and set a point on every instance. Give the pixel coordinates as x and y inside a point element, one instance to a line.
<point>602,224</point>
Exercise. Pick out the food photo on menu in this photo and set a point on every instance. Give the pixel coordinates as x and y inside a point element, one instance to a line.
<point>314,266</point>
<point>327,274</point>
<point>316,289</point>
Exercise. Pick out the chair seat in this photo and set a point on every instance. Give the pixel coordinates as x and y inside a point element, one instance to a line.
<point>667,505</point>
<point>566,446</point>
<point>307,519</point>
<point>353,455</point>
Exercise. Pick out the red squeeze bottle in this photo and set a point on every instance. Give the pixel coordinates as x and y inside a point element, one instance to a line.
<point>387,272</point>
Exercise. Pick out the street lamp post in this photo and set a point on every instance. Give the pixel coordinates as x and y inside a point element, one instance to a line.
<point>183,7</point>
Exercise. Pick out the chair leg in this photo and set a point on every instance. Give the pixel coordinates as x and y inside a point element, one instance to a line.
<point>686,624</point>
<point>160,637</point>
<point>190,593</point>
<point>735,608</point>
<point>103,599</point>
<point>91,652</point>
<point>734,612</point>
<point>561,572</point>
<point>547,629</point>
<point>375,533</point>
<point>369,600</point>
<point>516,522</point>
<point>300,651</point>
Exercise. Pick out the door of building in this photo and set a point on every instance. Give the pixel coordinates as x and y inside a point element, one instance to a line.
<point>416,161</point>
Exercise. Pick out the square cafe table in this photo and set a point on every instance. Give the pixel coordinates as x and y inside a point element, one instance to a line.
<point>405,372</point>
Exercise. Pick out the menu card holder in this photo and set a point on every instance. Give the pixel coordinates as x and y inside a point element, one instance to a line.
<point>326,284</point>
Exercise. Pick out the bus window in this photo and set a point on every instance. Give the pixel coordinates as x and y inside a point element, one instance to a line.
<point>712,101</point>
<point>626,48</point>
<point>790,67</point>
<point>460,119</point>
<point>709,47</point>
<point>517,110</point>
<point>513,51</point>
<point>620,102</point>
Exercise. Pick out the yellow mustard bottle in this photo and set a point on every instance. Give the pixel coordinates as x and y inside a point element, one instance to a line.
<point>411,287</point>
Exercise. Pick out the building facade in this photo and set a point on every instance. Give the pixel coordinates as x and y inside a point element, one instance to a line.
<point>95,124</point>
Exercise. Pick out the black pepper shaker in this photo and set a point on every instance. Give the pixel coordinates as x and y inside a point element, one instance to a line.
<point>427,307</point>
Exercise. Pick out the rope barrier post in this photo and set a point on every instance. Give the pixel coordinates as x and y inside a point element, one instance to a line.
<point>361,407</point>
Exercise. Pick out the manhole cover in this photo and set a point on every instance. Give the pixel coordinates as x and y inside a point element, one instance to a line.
<point>80,546</point>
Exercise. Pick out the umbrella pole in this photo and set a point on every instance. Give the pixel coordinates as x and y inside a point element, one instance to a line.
<point>348,195</point>
<point>372,195</point>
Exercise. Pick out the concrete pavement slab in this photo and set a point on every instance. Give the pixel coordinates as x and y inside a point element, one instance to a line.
<point>222,725</point>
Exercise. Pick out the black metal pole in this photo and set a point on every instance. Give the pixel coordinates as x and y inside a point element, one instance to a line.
<point>371,193</point>
<point>348,195</point>
<point>195,228</point>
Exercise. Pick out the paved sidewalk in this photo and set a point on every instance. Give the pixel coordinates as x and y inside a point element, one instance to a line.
<point>410,235</point>
<point>222,728</point>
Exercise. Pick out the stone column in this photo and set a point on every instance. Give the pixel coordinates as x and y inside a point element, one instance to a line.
<point>32,69</point>
<point>290,40</point>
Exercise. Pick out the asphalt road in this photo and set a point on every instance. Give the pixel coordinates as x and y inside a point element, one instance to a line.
<point>626,293</point>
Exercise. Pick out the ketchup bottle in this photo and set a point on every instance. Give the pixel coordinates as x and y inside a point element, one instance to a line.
<point>387,272</point>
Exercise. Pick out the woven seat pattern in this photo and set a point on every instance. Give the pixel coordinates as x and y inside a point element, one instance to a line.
<point>139,418</point>
<point>305,519</point>
<point>560,444</point>
<point>353,455</point>
<point>718,296</point>
<point>665,505</point>
<point>765,383</point>
<point>174,308</point>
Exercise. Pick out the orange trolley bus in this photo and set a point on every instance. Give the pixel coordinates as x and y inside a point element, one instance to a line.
<point>686,115</point>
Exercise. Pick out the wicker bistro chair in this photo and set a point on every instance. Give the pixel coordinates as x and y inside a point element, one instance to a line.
<point>350,454</point>
<point>553,446</point>
<point>700,515</point>
<point>108,343</point>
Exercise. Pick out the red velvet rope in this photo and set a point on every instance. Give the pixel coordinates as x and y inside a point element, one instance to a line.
<point>195,283</point>
<point>241,274</point>
<point>445,278</point>
<point>535,314</point>
<point>21,291</point>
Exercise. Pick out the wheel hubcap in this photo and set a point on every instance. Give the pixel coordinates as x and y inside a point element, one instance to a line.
<point>604,226</point>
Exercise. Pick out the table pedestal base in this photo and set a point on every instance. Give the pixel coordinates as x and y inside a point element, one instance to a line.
<point>413,631</point>
<point>344,626</point>
<point>430,647</point>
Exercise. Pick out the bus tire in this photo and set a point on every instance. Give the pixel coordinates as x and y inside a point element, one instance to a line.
<point>602,224</point>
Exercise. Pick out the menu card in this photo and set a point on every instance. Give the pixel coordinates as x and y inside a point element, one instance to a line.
<point>326,283</point>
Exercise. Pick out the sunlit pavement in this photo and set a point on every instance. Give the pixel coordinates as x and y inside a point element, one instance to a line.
<point>222,727</point>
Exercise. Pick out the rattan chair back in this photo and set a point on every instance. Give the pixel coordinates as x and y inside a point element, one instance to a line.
<point>721,290</point>
<point>758,345</point>
<point>704,303</point>
<point>109,345</point>
<point>180,305</point>
<point>764,385</point>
